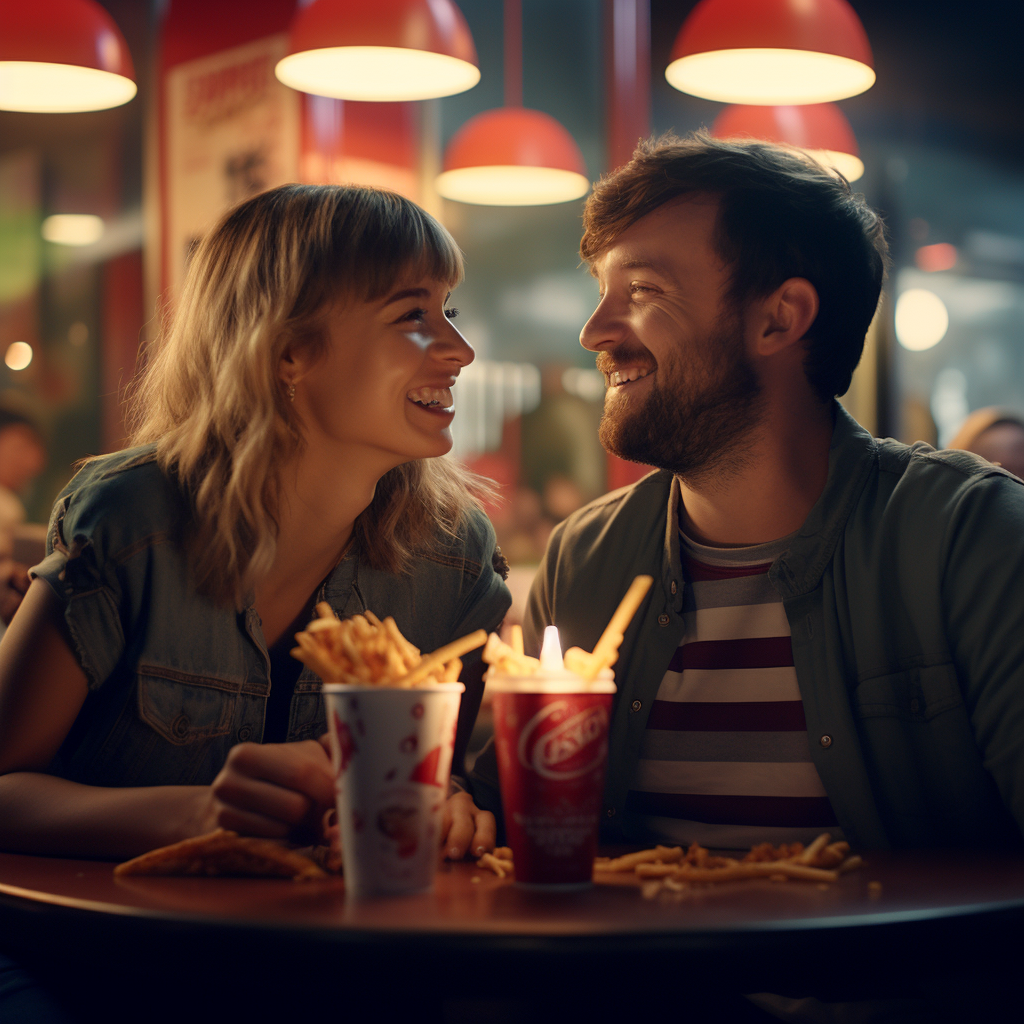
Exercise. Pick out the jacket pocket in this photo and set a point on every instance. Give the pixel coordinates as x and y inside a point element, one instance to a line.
<point>184,708</point>
<point>915,694</point>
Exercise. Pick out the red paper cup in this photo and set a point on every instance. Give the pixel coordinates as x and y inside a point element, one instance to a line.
<point>552,751</point>
<point>392,753</point>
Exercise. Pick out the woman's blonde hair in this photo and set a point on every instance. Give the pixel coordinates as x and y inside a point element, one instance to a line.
<point>211,399</point>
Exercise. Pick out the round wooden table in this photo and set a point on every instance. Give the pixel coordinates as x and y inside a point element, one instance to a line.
<point>901,923</point>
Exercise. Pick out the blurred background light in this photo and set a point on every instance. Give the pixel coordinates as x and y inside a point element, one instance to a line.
<point>933,258</point>
<point>18,355</point>
<point>921,319</point>
<point>73,228</point>
<point>821,130</point>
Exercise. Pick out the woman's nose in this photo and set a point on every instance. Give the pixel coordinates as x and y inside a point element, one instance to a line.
<point>454,347</point>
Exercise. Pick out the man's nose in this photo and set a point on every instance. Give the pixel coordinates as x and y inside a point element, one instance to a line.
<point>602,329</point>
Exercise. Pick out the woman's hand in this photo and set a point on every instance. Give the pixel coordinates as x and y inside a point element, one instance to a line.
<point>466,829</point>
<point>274,790</point>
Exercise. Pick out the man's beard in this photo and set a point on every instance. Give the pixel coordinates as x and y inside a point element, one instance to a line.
<point>695,419</point>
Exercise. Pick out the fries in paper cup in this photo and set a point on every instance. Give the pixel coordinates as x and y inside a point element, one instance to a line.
<point>590,666</point>
<point>365,651</point>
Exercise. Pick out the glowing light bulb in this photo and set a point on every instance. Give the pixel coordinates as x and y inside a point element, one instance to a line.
<point>551,651</point>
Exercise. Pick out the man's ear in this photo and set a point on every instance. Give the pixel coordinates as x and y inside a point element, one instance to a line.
<point>787,315</point>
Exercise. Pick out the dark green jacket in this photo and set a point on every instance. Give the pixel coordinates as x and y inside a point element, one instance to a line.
<point>904,591</point>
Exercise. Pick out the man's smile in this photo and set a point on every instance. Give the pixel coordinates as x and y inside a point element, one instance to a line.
<point>627,375</point>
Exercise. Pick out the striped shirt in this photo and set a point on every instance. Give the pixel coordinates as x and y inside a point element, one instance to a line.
<point>725,759</point>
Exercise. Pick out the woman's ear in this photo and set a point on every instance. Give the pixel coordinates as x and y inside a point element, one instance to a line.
<point>788,315</point>
<point>295,362</point>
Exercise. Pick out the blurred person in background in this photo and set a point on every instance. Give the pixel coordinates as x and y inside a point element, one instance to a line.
<point>994,434</point>
<point>22,459</point>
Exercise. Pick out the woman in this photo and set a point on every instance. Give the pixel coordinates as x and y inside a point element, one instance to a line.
<point>286,450</point>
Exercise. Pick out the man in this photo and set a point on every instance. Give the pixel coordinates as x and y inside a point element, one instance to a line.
<point>835,634</point>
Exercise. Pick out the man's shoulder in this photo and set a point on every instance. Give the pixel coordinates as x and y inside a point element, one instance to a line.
<point>631,509</point>
<point>919,471</point>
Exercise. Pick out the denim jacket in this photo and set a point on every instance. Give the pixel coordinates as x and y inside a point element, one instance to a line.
<point>904,591</point>
<point>175,679</point>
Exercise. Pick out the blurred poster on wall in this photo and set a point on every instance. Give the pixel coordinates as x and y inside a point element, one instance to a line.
<point>230,130</point>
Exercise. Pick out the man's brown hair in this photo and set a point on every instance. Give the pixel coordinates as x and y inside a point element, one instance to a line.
<point>780,216</point>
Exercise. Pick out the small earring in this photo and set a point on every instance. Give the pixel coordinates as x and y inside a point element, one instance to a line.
<point>291,392</point>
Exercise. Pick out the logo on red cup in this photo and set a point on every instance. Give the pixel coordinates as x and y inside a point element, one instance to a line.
<point>566,749</point>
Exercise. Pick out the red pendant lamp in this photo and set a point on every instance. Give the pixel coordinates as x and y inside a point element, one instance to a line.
<point>512,156</point>
<point>772,52</point>
<point>820,129</point>
<point>62,56</point>
<point>380,50</point>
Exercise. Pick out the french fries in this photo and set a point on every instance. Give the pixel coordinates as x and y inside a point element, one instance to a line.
<point>509,659</point>
<point>364,651</point>
<point>674,869</point>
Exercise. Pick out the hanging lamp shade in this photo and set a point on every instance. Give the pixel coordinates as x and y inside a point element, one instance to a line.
<point>771,52</point>
<point>380,50</point>
<point>820,129</point>
<point>513,156</point>
<point>62,56</point>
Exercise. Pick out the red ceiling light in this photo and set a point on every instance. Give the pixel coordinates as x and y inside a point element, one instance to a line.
<point>62,56</point>
<point>380,50</point>
<point>513,156</point>
<point>820,129</point>
<point>772,52</point>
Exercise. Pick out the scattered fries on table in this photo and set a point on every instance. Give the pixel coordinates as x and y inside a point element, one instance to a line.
<point>674,869</point>
<point>364,651</point>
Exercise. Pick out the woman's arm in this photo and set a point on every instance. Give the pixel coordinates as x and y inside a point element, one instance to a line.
<point>271,790</point>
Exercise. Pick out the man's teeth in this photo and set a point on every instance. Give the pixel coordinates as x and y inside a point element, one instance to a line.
<point>624,376</point>
<point>432,398</point>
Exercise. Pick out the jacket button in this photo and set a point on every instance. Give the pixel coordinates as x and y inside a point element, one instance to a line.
<point>673,587</point>
<point>244,733</point>
<point>610,812</point>
<point>826,741</point>
<point>662,619</point>
<point>636,705</point>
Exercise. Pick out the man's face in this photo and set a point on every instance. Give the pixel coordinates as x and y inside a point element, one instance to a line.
<point>682,393</point>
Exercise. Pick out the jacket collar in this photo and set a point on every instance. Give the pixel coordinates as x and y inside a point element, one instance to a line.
<point>852,454</point>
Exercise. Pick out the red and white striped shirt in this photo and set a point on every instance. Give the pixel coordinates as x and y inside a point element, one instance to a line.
<point>725,760</point>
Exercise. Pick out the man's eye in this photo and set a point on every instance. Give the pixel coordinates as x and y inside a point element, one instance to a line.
<point>451,313</point>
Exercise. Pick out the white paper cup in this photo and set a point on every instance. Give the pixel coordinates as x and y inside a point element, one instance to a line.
<point>392,752</point>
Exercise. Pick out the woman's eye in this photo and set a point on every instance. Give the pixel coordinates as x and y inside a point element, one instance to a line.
<point>415,316</point>
<point>634,288</point>
<point>451,313</point>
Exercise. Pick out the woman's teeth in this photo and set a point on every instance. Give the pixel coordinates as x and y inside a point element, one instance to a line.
<point>624,376</point>
<point>432,398</point>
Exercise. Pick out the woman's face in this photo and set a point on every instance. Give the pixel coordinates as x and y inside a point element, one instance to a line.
<point>383,383</point>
